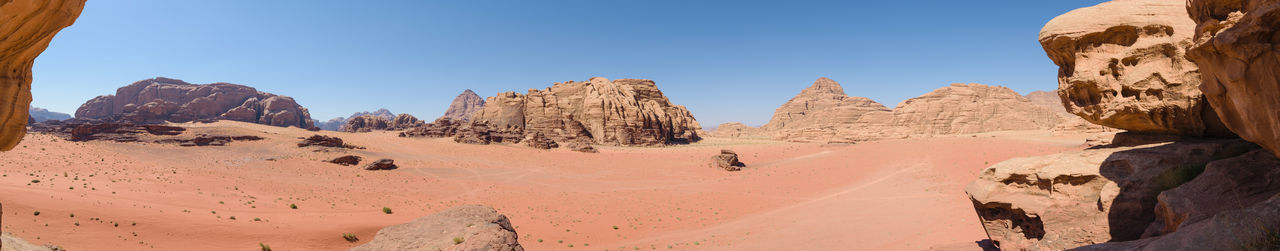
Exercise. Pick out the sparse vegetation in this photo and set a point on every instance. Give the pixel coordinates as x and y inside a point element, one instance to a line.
<point>350,237</point>
<point>293,206</point>
<point>386,210</point>
<point>37,213</point>
<point>265,247</point>
<point>457,240</point>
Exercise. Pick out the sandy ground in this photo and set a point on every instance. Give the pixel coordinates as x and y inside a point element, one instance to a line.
<point>899,195</point>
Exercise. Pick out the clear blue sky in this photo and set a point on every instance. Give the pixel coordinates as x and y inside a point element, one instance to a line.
<point>725,60</point>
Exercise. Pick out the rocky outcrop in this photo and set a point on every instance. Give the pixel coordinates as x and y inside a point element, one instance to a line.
<point>482,134</point>
<point>381,164</point>
<point>1122,65</point>
<point>621,112</point>
<point>347,160</point>
<point>471,227</point>
<point>88,129</point>
<point>26,27</point>
<point>405,121</point>
<point>735,130</point>
<point>325,141</point>
<point>727,160</point>
<point>971,108</point>
<point>464,106</point>
<point>42,115</point>
<point>441,128</point>
<point>824,113</point>
<point>1075,199</point>
<point>208,140</point>
<point>1236,48</point>
<point>366,123</point>
<point>162,99</point>
<point>539,141</point>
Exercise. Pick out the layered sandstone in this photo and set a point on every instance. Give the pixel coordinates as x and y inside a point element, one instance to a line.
<point>1122,65</point>
<point>971,108</point>
<point>824,113</point>
<point>600,111</point>
<point>1099,195</point>
<point>464,106</point>
<point>26,27</point>
<point>162,99</point>
<point>1048,100</point>
<point>470,227</point>
<point>735,130</point>
<point>1238,52</point>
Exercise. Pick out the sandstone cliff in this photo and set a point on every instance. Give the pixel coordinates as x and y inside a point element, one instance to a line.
<point>1123,66</point>
<point>162,99</point>
<point>26,27</point>
<point>1049,101</point>
<point>1236,49</point>
<point>971,108</point>
<point>735,130</point>
<point>463,106</point>
<point>620,112</point>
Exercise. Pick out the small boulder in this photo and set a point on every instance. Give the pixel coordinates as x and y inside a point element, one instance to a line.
<point>382,164</point>
<point>349,160</point>
<point>537,140</point>
<point>728,160</point>
<point>471,227</point>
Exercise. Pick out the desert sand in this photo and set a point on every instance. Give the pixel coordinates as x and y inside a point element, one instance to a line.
<point>895,194</point>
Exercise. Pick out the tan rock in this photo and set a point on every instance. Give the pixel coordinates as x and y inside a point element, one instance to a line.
<point>621,112</point>
<point>971,108</point>
<point>26,27</point>
<point>824,113</point>
<point>471,227</point>
<point>8,242</point>
<point>1122,65</point>
<point>162,99</point>
<point>464,106</point>
<point>1049,101</point>
<point>1236,49</point>
<point>735,130</point>
<point>366,123</point>
<point>1075,199</point>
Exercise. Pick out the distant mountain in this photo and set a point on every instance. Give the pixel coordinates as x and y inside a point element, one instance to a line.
<point>42,115</point>
<point>464,105</point>
<point>336,123</point>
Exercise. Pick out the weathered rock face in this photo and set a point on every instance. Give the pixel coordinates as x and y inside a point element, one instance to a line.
<point>464,106</point>
<point>824,113</point>
<point>26,27</point>
<point>1122,66</point>
<point>1049,101</point>
<point>1236,49</point>
<point>1233,205</point>
<point>537,140</point>
<point>405,121</point>
<point>161,99</point>
<point>735,130</point>
<point>971,108</point>
<point>442,127</point>
<point>366,123</point>
<point>621,112</point>
<point>471,227</point>
<point>1074,199</point>
<point>727,160</point>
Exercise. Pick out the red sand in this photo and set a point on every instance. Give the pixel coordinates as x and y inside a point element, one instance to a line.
<point>901,194</point>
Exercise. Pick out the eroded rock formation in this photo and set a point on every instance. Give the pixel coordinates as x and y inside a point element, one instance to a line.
<point>1122,65</point>
<point>26,27</point>
<point>162,99</point>
<point>471,227</point>
<point>1238,51</point>
<point>824,113</point>
<point>381,164</point>
<point>1074,199</point>
<point>735,130</point>
<point>621,112</point>
<point>366,123</point>
<point>464,106</point>
<point>971,108</point>
<point>727,160</point>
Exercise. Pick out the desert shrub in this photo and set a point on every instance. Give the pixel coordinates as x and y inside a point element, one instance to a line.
<point>457,240</point>
<point>386,210</point>
<point>350,237</point>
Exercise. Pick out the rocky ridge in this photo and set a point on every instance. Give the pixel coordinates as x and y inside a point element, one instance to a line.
<point>159,100</point>
<point>464,106</point>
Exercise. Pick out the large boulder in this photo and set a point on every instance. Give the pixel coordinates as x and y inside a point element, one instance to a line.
<point>470,227</point>
<point>464,106</point>
<point>971,108</point>
<point>26,27</point>
<point>1238,52</point>
<point>1122,65</point>
<point>1099,195</point>
<point>162,99</point>
<point>621,112</point>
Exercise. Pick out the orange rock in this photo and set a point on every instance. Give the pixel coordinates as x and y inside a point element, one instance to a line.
<point>26,27</point>
<point>1235,47</point>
